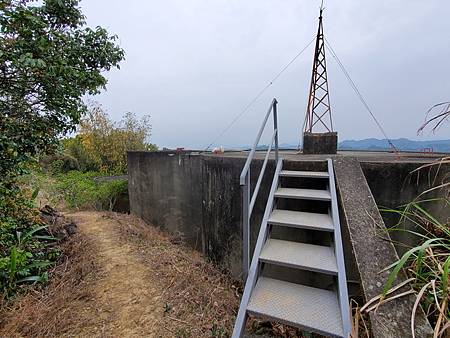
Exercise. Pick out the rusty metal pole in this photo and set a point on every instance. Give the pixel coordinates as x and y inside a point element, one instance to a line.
<point>318,111</point>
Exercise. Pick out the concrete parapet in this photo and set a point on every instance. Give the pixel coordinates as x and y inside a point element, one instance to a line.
<point>372,253</point>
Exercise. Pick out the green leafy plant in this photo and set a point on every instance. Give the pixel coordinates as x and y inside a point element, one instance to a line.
<point>23,247</point>
<point>19,268</point>
<point>49,60</point>
<point>81,190</point>
<point>428,263</point>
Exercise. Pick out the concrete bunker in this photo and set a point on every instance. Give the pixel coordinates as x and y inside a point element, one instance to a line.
<point>198,196</point>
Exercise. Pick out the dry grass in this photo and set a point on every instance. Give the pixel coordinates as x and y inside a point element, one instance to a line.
<point>119,277</point>
<point>198,299</point>
<point>46,311</point>
<point>85,298</point>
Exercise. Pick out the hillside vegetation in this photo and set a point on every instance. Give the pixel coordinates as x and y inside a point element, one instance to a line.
<point>49,59</point>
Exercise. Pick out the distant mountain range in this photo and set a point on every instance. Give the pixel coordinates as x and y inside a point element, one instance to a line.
<point>440,146</point>
<point>403,144</point>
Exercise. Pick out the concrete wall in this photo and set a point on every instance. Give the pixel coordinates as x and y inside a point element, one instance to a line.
<point>199,197</point>
<point>165,190</point>
<point>221,200</point>
<point>396,184</point>
<point>363,232</point>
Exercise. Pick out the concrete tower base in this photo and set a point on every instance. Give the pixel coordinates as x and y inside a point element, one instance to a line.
<point>320,143</point>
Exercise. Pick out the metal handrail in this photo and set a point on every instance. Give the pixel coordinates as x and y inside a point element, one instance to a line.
<point>339,252</point>
<point>252,274</point>
<point>248,200</point>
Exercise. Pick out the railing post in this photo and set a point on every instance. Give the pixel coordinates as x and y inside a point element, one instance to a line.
<point>275,127</point>
<point>246,225</point>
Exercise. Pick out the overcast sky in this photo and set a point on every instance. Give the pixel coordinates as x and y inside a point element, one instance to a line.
<point>193,65</point>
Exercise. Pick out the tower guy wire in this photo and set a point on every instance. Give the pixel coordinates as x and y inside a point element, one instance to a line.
<point>260,93</point>
<point>358,93</point>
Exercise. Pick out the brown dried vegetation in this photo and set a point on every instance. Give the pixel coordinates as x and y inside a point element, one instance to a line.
<point>45,311</point>
<point>120,277</point>
<point>198,300</point>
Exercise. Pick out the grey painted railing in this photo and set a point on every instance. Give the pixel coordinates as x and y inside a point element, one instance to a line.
<point>248,200</point>
<point>253,272</point>
<point>339,253</point>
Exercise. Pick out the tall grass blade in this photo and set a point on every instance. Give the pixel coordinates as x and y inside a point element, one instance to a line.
<point>401,263</point>
<point>444,277</point>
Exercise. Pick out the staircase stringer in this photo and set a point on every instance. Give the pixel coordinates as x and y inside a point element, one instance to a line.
<point>339,252</point>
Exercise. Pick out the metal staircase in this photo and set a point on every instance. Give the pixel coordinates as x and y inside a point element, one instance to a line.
<point>309,307</point>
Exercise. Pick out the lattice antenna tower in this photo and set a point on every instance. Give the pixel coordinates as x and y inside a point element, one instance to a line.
<point>318,111</point>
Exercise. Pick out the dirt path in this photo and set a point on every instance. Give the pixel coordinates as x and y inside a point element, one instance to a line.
<point>127,301</point>
<point>119,277</point>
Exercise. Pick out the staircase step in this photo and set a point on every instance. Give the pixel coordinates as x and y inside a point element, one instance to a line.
<point>307,194</point>
<point>305,256</point>
<point>303,220</point>
<point>302,306</point>
<point>307,174</point>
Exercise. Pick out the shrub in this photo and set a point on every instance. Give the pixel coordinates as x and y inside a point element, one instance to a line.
<point>81,190</point>
<point>102,143</point>
<point>49,60</point>
<point>73,146</point>
<point>24,252</point>
<point>60,163</point>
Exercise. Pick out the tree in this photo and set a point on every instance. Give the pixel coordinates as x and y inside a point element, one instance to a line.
<point>102,144</point>
<point>49,59</point>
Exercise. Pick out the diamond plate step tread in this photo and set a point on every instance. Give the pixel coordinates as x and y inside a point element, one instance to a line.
<point>304,256</point>
<point>306,174</point>
<point>302,306</point>
<point>300,219</point>
<point>308,194</point>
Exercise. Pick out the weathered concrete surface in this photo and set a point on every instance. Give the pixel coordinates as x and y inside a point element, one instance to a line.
<point>166,190</point>
<point>395,184</point>
<point>320,143</point>
<point>372,254</point>
<point>221,225</point>
<point>361,156</point>
<point>199,196</point>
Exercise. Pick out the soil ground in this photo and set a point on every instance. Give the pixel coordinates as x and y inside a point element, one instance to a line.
<point>121,278</point>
